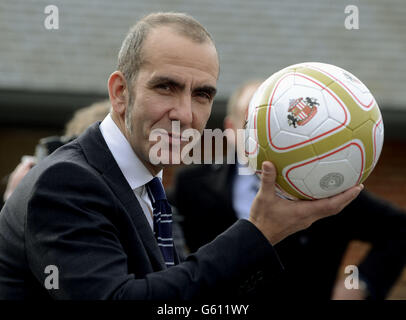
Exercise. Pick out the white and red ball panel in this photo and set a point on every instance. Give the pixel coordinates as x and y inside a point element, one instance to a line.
<point>378,136</point>
<point>251,138</point>
<point>328,174</point>
<point>348,82</point>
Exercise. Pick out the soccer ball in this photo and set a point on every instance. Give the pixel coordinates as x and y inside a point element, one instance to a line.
<point>319,125</point>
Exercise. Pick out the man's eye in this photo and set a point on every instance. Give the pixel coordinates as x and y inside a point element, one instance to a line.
<point>163,86</point>
<point>204,95</point>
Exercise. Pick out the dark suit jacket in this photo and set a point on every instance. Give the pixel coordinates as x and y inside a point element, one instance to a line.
<point>311,258</point>
<point>76,211</point>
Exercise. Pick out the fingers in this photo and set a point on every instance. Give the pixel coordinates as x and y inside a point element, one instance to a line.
<point>343,199</point>
<point>333,205</point>
<point>28,161</point>
<point>22,168</point>
<point>268,177</point>
<point>29,164</point>
<point>19,172</point>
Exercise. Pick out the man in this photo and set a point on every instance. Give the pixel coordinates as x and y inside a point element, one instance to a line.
<point>211,198</point>
<point>90,210</point>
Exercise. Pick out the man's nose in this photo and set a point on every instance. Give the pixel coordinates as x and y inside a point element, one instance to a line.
<point>182,111</point>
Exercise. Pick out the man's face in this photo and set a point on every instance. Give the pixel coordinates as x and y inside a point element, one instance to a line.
<point>176,82</point>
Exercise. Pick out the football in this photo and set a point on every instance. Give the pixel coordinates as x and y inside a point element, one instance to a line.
<point>319,125</point>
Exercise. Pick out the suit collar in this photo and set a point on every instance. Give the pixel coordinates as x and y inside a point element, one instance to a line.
<point>127,160</point>
<point>99,156</point>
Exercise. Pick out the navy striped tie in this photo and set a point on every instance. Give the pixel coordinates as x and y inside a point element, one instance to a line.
<point>162,219</point>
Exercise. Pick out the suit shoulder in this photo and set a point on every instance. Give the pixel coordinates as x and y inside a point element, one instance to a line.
<point>69,158</point>
<point>66,167</point>
<point>68,183</point>
<point>67,172</point>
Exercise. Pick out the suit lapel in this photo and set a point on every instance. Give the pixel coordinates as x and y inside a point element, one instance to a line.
<point>220,182</point>
<point>99,156</point>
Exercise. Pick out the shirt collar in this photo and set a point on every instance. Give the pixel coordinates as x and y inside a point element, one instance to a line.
<point>130,165</point>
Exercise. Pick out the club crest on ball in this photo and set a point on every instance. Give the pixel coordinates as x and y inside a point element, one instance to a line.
<point>301,111</point>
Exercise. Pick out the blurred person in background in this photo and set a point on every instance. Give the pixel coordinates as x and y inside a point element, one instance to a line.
<point>80,121</point>
<point>210,198</point>
<point>85,117</point>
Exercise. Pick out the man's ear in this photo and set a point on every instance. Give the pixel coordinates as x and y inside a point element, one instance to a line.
<point>118,92</point>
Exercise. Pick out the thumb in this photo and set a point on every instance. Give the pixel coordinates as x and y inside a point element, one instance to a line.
<point>268,177</point>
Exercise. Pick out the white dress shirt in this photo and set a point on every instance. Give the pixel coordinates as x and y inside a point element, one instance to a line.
<point>136,174</point>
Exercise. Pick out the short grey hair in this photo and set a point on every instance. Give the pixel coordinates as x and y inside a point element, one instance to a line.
<point>130,56</point>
